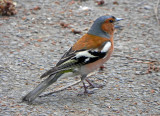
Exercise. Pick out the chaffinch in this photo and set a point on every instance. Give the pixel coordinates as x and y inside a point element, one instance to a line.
<point>86,55</point>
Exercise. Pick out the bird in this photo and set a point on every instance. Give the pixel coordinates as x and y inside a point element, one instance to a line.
<point>90,52</point>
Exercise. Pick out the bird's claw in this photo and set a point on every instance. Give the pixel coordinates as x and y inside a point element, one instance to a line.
<point>86,92</point>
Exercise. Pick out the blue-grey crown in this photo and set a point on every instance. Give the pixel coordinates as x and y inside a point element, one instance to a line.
<point>96,27</point>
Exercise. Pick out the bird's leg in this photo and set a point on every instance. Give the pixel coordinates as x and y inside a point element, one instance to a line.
<point>94,85</point>
<point>90,84</point>
<point>85,87</point>
<point>86,90</point>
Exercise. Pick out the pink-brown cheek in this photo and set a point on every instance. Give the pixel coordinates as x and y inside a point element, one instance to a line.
<point>103,27</point>
<point>109,28</point>
<point>112,29</point>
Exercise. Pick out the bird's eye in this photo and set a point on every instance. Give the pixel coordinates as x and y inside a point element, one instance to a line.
<point>111,21</point>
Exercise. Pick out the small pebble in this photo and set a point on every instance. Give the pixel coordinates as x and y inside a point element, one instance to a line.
<point>147,7</point>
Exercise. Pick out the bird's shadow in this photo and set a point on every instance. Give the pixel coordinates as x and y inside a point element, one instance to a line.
<point>60,99</point>
<point>63,100</point>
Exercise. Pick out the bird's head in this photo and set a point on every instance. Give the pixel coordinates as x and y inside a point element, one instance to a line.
<point>104,26</point>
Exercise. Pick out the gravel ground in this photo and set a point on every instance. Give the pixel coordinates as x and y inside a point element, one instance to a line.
<point>34,40</point>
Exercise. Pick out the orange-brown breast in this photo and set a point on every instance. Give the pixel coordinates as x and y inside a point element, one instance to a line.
<point>89,41</point>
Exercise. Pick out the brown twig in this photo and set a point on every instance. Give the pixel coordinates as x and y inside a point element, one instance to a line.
<point>61,89</point>
<point>156,11</point>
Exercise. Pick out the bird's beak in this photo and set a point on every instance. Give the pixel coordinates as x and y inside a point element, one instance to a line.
<point>119,19</point>
<point>118,26</point>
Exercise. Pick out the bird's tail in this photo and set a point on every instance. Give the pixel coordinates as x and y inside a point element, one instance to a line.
<point>41,87</point>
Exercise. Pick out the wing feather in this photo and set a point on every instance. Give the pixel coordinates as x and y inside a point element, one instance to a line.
<point>78,58</point>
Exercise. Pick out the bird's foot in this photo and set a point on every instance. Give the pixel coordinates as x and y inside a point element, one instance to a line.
<point>96,85</point>
<point>86,92</point>
<point>93,85</point>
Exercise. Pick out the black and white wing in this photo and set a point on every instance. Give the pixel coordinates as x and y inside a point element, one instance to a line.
<point>78,58</point>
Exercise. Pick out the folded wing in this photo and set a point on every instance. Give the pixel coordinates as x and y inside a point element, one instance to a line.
<point>78,58</point>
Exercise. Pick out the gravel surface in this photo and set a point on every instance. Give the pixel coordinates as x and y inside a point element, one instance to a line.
<point>34,40</point>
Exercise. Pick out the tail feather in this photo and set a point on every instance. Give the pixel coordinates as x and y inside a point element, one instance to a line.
<point>60,68</point>
<point>55,70</point>
<point>49,72</point>
<point>41,87</point>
